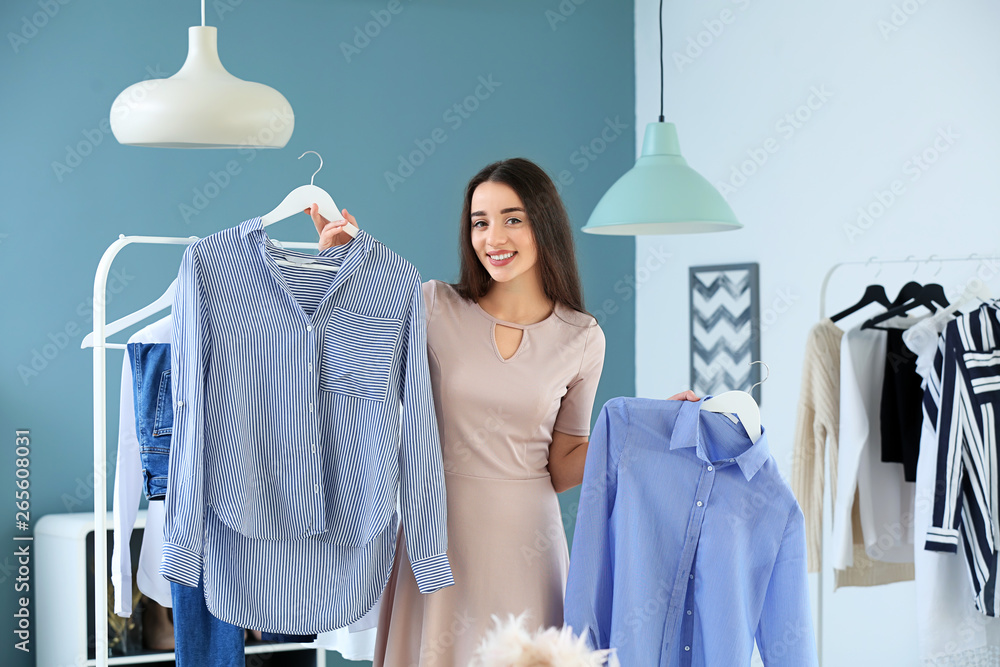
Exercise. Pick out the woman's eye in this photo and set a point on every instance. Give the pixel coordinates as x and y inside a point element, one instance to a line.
<point>513,220</point>
<point>477,223</point>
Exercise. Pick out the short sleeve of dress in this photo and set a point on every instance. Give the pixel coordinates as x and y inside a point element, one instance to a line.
<point>430,294</point>
<point>578,403</point>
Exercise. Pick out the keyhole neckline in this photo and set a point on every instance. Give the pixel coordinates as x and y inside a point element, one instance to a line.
<point>496,347</point>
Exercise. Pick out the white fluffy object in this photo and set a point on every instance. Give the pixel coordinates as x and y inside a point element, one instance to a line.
<point>510,644</point>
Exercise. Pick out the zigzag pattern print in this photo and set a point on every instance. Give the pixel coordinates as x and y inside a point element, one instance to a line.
<point>722,326</point>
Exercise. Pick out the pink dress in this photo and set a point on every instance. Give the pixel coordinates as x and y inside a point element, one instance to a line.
<point>506,539</point>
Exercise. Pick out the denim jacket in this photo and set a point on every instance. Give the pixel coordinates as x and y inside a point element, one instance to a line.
<point>154,413</point>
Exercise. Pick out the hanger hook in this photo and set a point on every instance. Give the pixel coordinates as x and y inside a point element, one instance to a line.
<point>940,264</point>
<point>755,384</point>
<point>320,164</point>
<point>913,258</point>
<point>873,259</point>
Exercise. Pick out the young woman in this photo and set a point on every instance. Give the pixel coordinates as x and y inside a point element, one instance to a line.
<point>515,361</point>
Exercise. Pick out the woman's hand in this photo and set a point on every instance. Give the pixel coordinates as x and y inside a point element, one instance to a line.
<point>331,234</point>
<point>684,396</point>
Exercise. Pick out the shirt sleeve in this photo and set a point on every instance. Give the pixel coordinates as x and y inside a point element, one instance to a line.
<point>809,456</point>
<point>430,297</point>
<point>853,428</point>
<point>942,535</point>
<point>785,633</point>
<point>128,489</point>
<point>189,360</point>
<point>589,586</point>
<point>422,492</point>
<point>578,402</point>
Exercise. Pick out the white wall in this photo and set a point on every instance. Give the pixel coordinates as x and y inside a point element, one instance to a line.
<point>891,94</point>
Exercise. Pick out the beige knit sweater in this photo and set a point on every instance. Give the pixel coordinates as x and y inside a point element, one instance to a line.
<point>816,425</point>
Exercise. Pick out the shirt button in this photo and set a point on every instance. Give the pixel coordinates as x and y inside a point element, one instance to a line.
<point>689,612</point>
<point>687,648</point>
<point>709,468</point>
<point>732,460</point>
<point>310,407</point>
<point>314,448</point>
<point>699,503</point>
<point>309,327</point>
<point>310,367</point>
<point>180,404</point>
<point>692,576</point>
<point>315,488</point>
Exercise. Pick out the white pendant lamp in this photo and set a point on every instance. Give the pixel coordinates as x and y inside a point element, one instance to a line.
<point>202,105</point>
<point>661,194</point>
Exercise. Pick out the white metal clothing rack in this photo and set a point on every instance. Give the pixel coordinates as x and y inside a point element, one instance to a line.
<point>822,313</point>
<point>101,431</point>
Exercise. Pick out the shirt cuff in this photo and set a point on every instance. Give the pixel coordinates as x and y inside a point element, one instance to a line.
<point>123,595</point>
<point>180,565</point>
<point>432,573</point>
<point>942,539</point>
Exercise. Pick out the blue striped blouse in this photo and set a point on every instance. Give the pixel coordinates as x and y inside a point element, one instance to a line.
<point>689,545</point>
<point>302,405</point>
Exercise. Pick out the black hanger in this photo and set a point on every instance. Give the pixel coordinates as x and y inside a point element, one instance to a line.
<point>904,301</point>
<point>935,293</point>
<point>873,294</point>
<point>908,299</point>
<point>909,291</point>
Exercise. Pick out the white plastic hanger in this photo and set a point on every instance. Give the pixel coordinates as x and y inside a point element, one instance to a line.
<point>977,289</point>
<point>741,404</point>
<point>165,301</point>
<point>297,201</point>
<point>305,196</point>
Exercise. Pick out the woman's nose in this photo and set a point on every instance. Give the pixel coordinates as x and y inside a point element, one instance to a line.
<point>496,237</point>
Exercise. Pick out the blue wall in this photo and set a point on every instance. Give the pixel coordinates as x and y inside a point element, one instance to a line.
<point>69,189</point>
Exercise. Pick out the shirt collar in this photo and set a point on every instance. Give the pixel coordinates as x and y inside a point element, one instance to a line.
<point>687,432</point>
<point>360,245</point>
<point>992,307</point>
<point>251,225</point>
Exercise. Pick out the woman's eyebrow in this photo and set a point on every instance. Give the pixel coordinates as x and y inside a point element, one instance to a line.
<point>506,210</point>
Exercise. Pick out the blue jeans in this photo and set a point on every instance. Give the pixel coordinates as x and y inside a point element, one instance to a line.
<point>154,413</point>
<point>200,639</point>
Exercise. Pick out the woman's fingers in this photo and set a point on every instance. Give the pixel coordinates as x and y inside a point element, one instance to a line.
<point>318,220</point>
<point>684,396</point>
<point>331,233</point>
<point>349,218</point>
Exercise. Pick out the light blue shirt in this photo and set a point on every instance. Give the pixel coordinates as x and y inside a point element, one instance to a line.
<point>302,404</point>
<point>689,544</point>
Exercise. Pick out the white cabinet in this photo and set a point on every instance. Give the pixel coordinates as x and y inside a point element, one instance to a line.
<point>64,589</point>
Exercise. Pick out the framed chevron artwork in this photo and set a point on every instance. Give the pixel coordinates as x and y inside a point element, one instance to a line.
<point>725,328</point>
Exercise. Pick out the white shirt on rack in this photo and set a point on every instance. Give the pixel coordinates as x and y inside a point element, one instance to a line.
<point>128,493</point>
<point>885,500</point>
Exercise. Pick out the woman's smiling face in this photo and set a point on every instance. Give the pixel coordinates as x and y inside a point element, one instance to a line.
<point>501,232</point>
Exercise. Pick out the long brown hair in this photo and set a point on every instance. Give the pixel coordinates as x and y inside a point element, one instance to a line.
<point>549,225</point>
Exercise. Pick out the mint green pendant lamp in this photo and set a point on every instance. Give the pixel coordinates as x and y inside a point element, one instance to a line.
<point>661,194</point>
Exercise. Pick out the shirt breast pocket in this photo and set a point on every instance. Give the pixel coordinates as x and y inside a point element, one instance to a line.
<point>357,354</point>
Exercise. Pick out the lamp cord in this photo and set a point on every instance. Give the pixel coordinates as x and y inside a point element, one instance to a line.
<point>661,60</point>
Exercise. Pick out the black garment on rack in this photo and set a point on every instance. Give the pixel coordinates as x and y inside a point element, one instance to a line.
<point>901,413</point>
